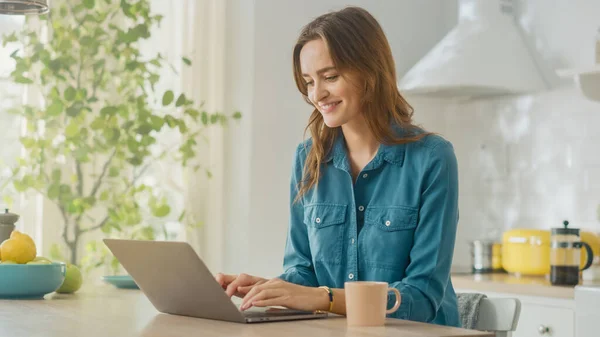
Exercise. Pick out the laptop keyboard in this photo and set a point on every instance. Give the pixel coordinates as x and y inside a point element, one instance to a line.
<point>274,313</point>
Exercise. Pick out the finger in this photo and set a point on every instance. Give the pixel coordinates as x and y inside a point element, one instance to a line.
<point>220,277</point>
<point>262,295</point>
<point>245,289</point>
<point>271,302</point>
<point>241,280</point>
<point>253,292</point>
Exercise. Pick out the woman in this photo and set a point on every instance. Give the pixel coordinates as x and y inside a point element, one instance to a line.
<point>373,197</point>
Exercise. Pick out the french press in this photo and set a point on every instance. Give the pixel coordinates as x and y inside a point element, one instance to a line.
<point>565,255</point>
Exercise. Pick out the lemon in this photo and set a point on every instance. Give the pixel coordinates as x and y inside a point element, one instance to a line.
<point>16,234</point>
<point>20,248</point>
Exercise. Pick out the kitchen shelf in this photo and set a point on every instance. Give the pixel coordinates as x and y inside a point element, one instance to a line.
<point>586,79</point>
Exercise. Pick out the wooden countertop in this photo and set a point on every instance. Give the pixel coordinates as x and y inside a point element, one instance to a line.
<point>107,311</point>
<point>511,284</point>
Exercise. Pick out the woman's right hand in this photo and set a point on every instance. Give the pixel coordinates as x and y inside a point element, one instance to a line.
<point>238,285</point>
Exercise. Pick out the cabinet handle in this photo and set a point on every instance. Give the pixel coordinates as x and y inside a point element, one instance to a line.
<point>543,330</point>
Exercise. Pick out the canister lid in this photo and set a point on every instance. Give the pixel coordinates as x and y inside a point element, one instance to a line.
<point>7,218</point>
<point>535,237</point>
<point>565,230</point>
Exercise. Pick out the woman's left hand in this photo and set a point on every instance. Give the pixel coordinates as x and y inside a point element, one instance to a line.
<point>277,292</point>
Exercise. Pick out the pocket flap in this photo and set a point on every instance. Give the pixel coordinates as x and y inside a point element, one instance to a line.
<point>391,218</point>
<point>323,215</point>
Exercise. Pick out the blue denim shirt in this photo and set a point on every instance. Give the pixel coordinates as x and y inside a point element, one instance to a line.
<point>396,223</point>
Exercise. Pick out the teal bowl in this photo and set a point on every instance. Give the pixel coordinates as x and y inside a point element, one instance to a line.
<point>121,281</point>
<point>30,281</point>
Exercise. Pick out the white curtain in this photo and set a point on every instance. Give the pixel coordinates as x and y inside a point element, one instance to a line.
<point>196,29</point>
<point>204,42</point>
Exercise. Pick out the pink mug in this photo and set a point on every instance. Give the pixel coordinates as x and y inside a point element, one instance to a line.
<point>366,302</point>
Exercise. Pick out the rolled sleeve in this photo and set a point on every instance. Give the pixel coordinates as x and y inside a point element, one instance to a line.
<point>297,260</point>
<point>428,273</point>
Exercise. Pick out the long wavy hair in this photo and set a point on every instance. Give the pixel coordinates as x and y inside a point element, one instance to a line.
<point>357,45</point>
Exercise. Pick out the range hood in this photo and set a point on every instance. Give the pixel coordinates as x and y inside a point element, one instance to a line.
<point>486,54</point>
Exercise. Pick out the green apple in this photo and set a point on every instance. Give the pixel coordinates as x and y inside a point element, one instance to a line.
<point>73,280</point>
<point>39,262</point>
<point>41,258</point>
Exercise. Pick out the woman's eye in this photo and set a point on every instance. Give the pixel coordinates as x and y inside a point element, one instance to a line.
<point>309,83</point>
<point>332,78</point>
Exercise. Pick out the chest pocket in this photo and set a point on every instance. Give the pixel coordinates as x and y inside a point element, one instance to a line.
<point>388,236</point>
<point>325,229</point>
<point>390,219</point>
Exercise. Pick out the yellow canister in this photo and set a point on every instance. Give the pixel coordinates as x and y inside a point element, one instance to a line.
<point>526,251</point>
<point>497,257</point>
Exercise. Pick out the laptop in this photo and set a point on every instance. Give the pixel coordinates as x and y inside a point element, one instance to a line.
<point>177,282</point>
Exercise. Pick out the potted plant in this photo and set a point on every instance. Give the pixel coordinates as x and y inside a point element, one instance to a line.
<point>98,131</point>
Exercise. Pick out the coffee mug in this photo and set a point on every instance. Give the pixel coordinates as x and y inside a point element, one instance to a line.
<point>366,302</point>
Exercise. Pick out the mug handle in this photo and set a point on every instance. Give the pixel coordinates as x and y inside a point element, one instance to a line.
<point>590,256</point>
<point>398,300</point>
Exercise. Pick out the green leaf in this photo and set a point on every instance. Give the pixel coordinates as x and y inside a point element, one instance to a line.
<point>56,174</point>
<point>70,94</point>
<point>168,98</point>
<point>187,61</point>
<point>72,129</point>
<point>27,142</point>
<point>157,122</point>
<point>53,191</point>
<point>204,118</point>
<point>144,129</point>
<point>113,172</point>
<point>98,123</point>
<point>161,211</point>
<point>180,101</point>
<point>89,4</point>
<point>237,115</point>
<point>23,80</point>
<point>14,53</point>
<point>104,196</point>
<point>55,109</point>
<point>109,110</point>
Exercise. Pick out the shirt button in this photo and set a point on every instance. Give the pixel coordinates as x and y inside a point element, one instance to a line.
<point>351,276</point>
<point>365,175</point>
<point>352,240</point>
<point>318,220</point>
<point>361,208</point>
<point>388,223</point>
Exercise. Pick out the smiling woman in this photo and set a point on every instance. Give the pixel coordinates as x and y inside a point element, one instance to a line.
<point>373,197</point>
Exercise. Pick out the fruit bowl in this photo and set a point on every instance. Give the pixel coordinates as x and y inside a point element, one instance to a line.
<point>30,281</point>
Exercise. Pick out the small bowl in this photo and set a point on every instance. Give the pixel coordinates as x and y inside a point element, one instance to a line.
<point>121,281</point>
<point>30,281</point>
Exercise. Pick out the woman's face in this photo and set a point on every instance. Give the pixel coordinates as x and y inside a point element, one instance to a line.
<point>336,97</point>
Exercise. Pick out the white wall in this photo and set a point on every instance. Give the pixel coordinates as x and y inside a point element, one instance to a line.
<point>526,161</point>
<point>530,161</point>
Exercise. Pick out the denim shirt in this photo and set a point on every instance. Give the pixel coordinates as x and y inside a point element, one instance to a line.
<point>396,223</point>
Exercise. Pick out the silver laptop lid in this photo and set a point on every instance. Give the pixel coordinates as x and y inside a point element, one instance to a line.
<point>174,279</point>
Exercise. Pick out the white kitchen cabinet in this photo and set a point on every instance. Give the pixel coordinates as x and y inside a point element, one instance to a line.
<point>540,316</point>
<point>540,320</point>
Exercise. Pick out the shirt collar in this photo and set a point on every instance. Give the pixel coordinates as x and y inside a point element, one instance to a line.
<point>393,154</point>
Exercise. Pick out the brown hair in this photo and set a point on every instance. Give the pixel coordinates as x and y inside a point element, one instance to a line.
<point>358,44</point>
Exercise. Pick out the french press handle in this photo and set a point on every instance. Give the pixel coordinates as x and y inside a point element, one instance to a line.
<point>590,254</point>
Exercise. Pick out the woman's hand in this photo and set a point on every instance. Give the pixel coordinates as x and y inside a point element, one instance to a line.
<point>238,285</point>
<point>277,292</point>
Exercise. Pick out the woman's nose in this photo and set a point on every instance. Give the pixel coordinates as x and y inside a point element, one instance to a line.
<point>320,92</point>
